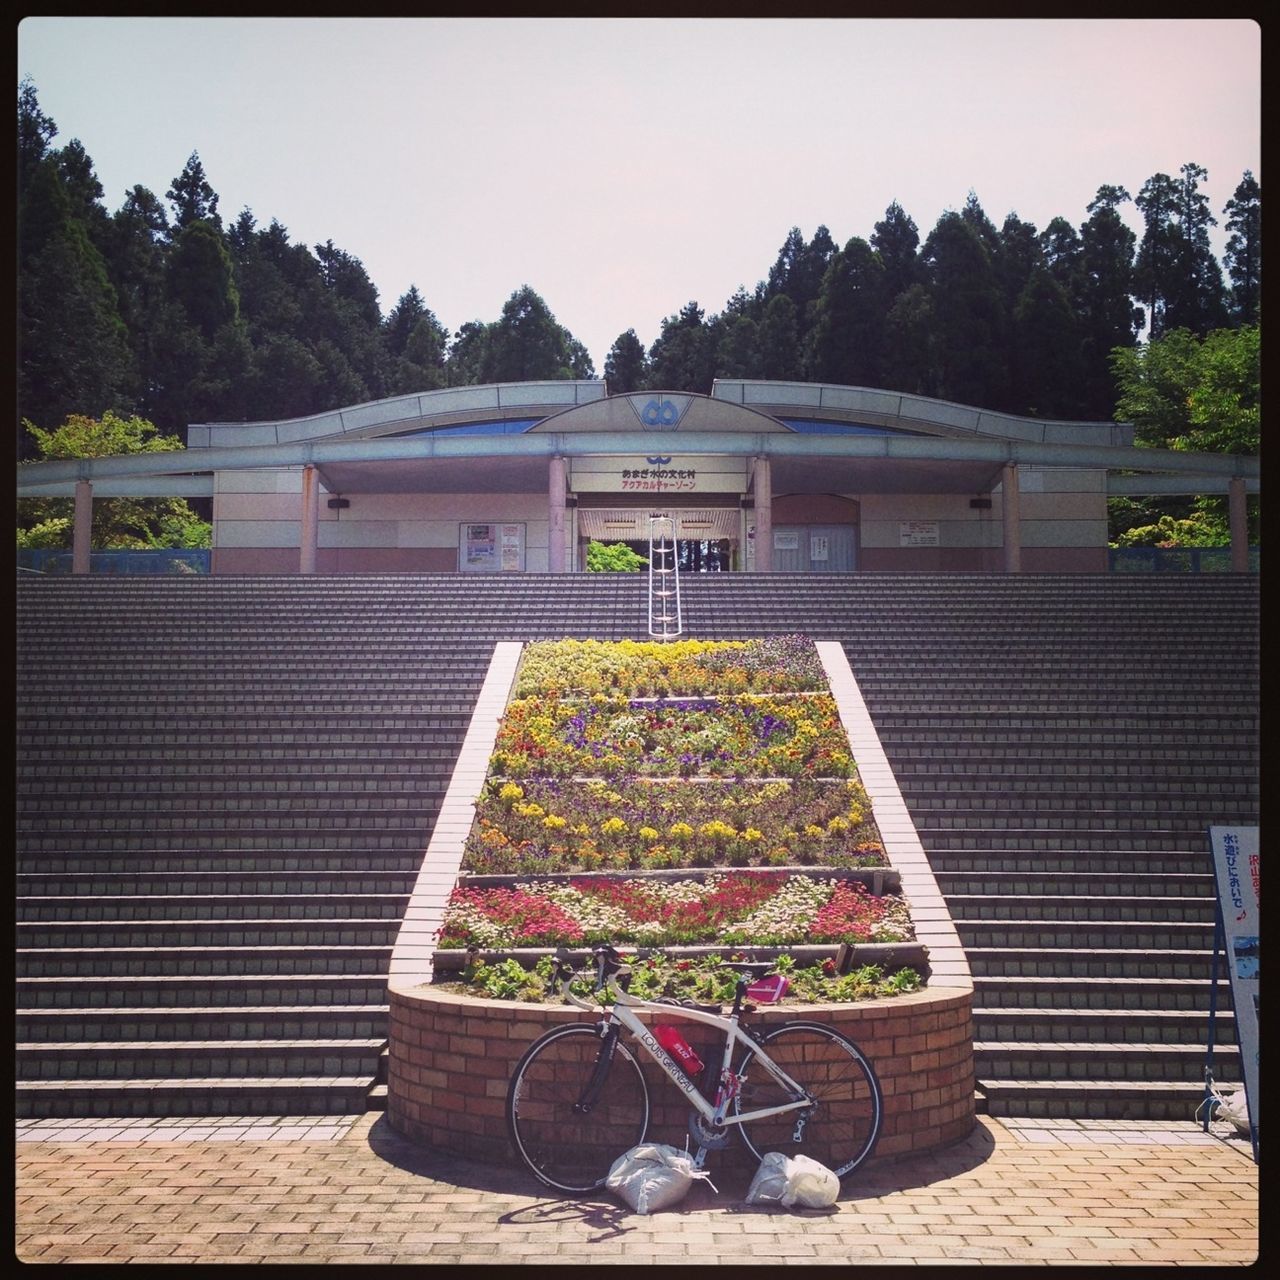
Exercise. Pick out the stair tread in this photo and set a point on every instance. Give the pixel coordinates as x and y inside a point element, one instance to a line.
<point>198,1082</point>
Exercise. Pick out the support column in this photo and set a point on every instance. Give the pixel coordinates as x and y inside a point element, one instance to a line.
<point>764,515</point>
<point>310,520</point>
<point>557,491</point>
<point>82,527</point>
<point>1238,519</point>
<point>1012,519</point>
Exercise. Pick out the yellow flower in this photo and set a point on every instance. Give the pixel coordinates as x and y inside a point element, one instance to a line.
<point>649,833</point>
<point>751,835</point>
<point>717,830</point>
<point>553,822</point>
<point>510,792</point>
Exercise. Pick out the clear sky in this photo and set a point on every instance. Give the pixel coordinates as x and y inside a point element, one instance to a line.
<point>623,167</point>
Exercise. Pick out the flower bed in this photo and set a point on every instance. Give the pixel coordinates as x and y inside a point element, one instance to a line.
<point>757,736</point>
<point>547,825</point>
<point>736,908</point>
<point>629,668</point>
<point>703,979</point>
<point>642,758</point>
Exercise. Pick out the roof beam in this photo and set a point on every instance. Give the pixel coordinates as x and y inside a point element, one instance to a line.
<point>636,443</point>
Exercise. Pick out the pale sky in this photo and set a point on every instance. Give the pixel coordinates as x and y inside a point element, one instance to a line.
<point>622,167</point>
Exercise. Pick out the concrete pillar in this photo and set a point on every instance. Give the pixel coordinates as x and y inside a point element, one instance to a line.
<point>310,520</point>
<point>82,527</point>
<point>764,515</point>
<point>557,492</point>
<point>1237,514</point>
<point>1012,519</point>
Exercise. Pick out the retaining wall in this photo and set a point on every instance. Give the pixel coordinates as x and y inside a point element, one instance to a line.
<point>451,1058</point>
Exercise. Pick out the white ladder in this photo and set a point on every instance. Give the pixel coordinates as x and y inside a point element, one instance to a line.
<point>664,579</point>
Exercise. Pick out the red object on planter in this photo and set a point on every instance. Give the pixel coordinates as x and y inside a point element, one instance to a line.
<point>768,990</point>
<point>669,1037</point>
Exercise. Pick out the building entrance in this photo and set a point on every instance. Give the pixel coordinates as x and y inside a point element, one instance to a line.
<point>711,555</point>
<point>707,539</point>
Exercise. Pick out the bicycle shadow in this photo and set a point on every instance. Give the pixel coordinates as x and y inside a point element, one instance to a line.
<point>607,1217</point>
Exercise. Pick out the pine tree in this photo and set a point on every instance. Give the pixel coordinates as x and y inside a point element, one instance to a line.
<point>969,315</point>
<point>73,352</point>
<point>1196,298</point>
<point>35,132</point>
<point>1108,315</point>
<point>1154,269</point>
<point>897,240</point>
<point>625,367</point>
<point>684,355</point>
<point>848,336</point>
<point>193,199</point>
<point>1244,249</point>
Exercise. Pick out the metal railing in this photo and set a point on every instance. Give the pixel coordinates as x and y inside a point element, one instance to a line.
<point>1176,559</point>
<point>665,622</point>
<point>52,560</point>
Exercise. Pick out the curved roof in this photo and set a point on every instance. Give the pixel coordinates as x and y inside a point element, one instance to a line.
<point>585,405</point>
<point>821,437</point>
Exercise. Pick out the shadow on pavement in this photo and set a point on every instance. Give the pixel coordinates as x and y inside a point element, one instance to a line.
<point>899,1173</point>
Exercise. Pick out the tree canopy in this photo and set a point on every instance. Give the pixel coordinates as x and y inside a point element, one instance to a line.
<point>161,311</point>
<point>1182,391</point>
<point>128,523</point>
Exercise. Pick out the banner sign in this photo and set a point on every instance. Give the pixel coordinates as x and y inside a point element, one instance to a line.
<point>1235,865</point>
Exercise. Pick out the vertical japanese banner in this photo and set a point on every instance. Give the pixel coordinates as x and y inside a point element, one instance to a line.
<point>1235,865</point>
<point>512,548</point>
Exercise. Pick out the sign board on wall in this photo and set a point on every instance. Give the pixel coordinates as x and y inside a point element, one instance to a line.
<point>819,546</point>
<point>786,540</point>
<point>659,473</point>
<point>486,547</point>
<point>1235,866</point>
<point>918,533</point>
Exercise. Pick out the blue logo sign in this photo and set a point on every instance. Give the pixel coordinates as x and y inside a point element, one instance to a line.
<point>658,462</point>
<point>660,413</point>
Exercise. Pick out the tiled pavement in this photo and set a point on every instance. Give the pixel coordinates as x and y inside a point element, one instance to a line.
<point>334,1190</point>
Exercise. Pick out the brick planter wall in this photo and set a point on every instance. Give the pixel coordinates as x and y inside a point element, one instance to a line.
<point>451,1057</point>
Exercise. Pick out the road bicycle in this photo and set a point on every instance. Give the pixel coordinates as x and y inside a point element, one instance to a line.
<point>578,1099</point>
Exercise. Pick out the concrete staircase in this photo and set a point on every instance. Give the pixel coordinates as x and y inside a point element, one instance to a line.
<point>225,786</point>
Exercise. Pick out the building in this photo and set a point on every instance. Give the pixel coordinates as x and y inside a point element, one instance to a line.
<point>758,477</point>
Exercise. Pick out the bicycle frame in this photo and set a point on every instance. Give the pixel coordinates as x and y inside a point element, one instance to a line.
<point>622,1015</point>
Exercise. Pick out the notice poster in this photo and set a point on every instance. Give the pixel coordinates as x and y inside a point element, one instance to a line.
<point>918,533</point>
<point>491,548</point>
<point>1235,865</point>
<point>786,540</point>
<point>479,548</point>
<point>819,546</point>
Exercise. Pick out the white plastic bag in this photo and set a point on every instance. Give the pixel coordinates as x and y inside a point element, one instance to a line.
<point>1232,1107</point>
<point>809,1184</point>
<point>793,1180</point>
<point>770,1183</point>
<point>652,1176</point>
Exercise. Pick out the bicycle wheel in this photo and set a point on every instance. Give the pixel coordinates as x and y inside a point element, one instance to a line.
<point>841,1128</point>
<point>567,1149</point>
